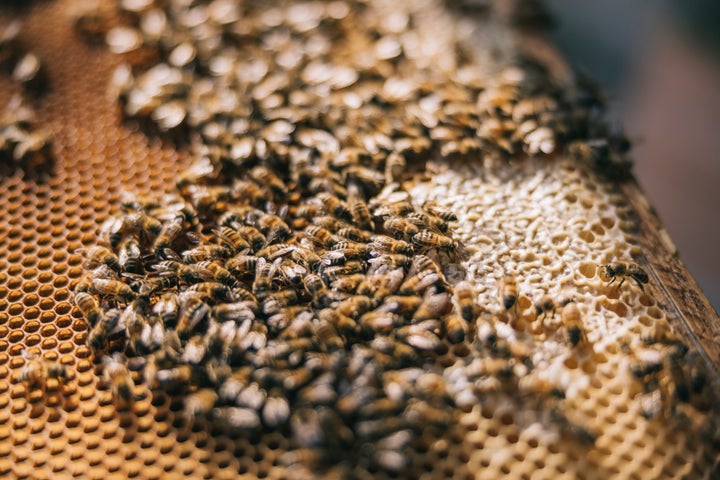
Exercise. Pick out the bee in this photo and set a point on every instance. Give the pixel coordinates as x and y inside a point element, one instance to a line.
<point>109,287</point>
<point>533,385</point>
<point>274,302</point>
<point>434,240</point>
<point>626,270</point>
<point>244,190</point>
<point>645,362</point>
<point>167,308</point>
<point>419,338</point>
<point>113,230</point>
<point>544,305</point>
<point>169,233</point>
<point>432,305</point>
<point>242,265</point>
<point>317,290</point>
<point>231,239</point>
<point>106,326</point>
<point>320,236</point>
<point>239,418</point>
<point>332,273</point>
<point>147,226</point>
<point>88,307</point>
<point>264,273</point>
<point>348,284</point>
<point>237,312</point>
<point>361,213</point>
<point>193,310</point>
<point>465,299</point>
<point>253,236</point>
<point>440,212</point>
<point>400,227</point>
<point>401,304</point>
<point>342,323</point>
<point>130,256</point>
<point>419,282</point>
<point>660,332</point>
<point>99,255</point>
<point>456,328</point>
<point>353,233</point>
<point>273,227</point>
<point>200,403</point>
<point>508,292</point>
<point>39,370</point>
<point>212,291</point>
<point>335,206</point>
<point>206,252</point>
<point>354,306</point>
<point>571,319</point>
<point>118,377</point>
<point>308,457</point>
<point>370,180</point>
<point>266,178</point>
<point>213,271</point>
<point>163,281</point>
<point>276,410</point>
<point>275,251</point>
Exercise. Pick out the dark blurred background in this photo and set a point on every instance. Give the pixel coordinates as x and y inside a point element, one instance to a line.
<point>659,62</point>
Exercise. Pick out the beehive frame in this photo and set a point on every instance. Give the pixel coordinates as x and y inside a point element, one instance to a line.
<point>51,215</point>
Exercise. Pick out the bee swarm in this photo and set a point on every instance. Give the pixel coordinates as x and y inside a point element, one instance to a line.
<point>386,254</point>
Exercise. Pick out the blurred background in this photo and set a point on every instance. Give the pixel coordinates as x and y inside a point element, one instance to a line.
<point>659,62</point>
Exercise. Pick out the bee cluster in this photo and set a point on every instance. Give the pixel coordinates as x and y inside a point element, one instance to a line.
<point>295,283</point>
<point>20,138</point>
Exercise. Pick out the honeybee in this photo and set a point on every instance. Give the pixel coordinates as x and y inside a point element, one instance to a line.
<point>419,338</point>
<point>543,306</point>
<point>456,328</point>
<point>626,270</point>
<point>193,310</point>
<point>508,292</point>
<point>205,252</point>
<point>317,290</point>
<point>320,236</point>
<point>276,410</point>
<point>106,326</point>
<point>371,180</point>
<point>38,370</point>
<point>213,271</point>
<point>113,230</point>
<point>231,239</point>
<point>400,227</point>
<point>112,288</point>
<point>386,244</point>
<point>332,273</point>
<point>361,213</point>
<point>273,227</point>
<point>571,319</point>
<point>433,305</point>
<point>169,232</point>
<point>465,299</point>
<point>130,256</point>
<point>335,206</point>
<point>264,273</point>
<point>212,291</point>
<point>147,226</point>
<point>119,379</point>
<point>244,190</point>
<point>242,265</point>
<point>99,255</point>
<point>88,306</point>
<point>434,240</point>
<point>533,385</point>
<point>419,282</point>
<point>348,284</point>
<point>353,233</point>
<point>275,251</point>
<point>275,301</point>
<point>167,308</point>
<point>200,403</point>
<point>253,236</point>
<point>266,178</point>
<point>440,211</point>
<point>239,418</point>
<point>354,306</point>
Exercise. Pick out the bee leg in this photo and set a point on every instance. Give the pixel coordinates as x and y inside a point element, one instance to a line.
<point>619,284</point>
<point>639,284</point>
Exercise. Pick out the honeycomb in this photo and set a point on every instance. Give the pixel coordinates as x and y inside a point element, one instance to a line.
<point>547,222</point>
